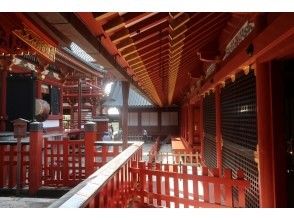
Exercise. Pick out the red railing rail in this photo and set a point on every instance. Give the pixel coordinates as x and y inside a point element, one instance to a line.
<point>187,186</point>
<point>109,186</point>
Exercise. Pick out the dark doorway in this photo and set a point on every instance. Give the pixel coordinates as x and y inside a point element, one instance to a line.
<point>288,69</point>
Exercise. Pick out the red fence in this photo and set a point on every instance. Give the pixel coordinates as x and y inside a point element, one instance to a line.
<point>8,164</point>
<point>64,162</point>
<point>187,186</point>
<point>110,186</point>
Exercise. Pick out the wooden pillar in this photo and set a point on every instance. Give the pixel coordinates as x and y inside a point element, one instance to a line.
<point>36,144</point>
<point>201,128</point>
<point>3,115</point>
<point>125,94</point>
<point>39,89</point>
<point>90,138</point>
<point>71,125</point>
<point>190,117</point>
<point>159,122</point>
<point>278,138</point>
<point>218,127</point>
<point>265,145</point>
<point>61,107</point>
<point>79,104</point>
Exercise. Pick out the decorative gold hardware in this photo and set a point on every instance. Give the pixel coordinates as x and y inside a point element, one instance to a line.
<point>34,41</point>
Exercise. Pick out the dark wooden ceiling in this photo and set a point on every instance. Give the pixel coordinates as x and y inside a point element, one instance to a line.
<point>162,50</point>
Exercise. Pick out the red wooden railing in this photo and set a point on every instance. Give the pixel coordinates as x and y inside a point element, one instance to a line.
<point>187,186</point>
<point>106,151</point>
<point>8,164</point>
<point>65,160</point>
<point>109,186</point>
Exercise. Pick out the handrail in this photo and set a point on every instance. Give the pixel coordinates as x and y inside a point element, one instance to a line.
<point>113,142</point>
<point>84,192</point>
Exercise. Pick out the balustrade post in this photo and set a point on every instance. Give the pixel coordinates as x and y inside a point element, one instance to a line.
<point>90,138</point>
<point>264,129</point>
<point>36,145</point>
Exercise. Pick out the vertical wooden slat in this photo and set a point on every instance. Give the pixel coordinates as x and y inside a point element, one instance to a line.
<point>2,166</point>
<point>195,185</point>
<point>205,185</point>
<point>23,165</point>
<point>142,179</point>
<point>121,186</point>
<point>51,165</point>
<point>45,155</point>
<point>11,167</point>
<point>104,154</point>
<point>241,190</point>
<point>58,165</point>
<point>150,184</point>
<point>167,185</point>
<point>176,185</point>
<point>65,163</point>
<point>125,172</point>
<point>217,192</point>
<point>228,188</point>
<point>80,161</point>
<point>185,186</point>
<point>158,184</point>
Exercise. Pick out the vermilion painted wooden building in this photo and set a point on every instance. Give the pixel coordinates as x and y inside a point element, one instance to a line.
<point>229,74</point>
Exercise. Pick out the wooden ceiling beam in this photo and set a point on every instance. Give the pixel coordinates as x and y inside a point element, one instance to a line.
<point>150,54</point>
<point>147,62</point>
<point>191,35</point>
<point>189,42</point>
<point>125,20</point>
<point>143,45</point>
<point>132,18</point>
<point>150,49</point>
<point>201,24</point>
<point>174,15</point>
<point>139,27</point>
<point>146,47</point>
<point>100,16</point>
<point>151,66</point>
<point>181,20</point>
<point>156,37</point>
<point>154,67</point>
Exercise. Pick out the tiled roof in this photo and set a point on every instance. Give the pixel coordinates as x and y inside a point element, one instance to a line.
<point>135,99</point>
<point>92,65</point>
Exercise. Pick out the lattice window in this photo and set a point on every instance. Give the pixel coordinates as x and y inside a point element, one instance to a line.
<point>235,161</point>
<point>210,150</point>
<point>209,114</point>
<point>149,118</point>
<point>238,106</point>
<point>209,129</point>
<point>239,131</point>
<point>133,119</point>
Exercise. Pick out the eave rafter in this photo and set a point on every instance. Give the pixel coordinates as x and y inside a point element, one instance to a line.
<point>162,49</point>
